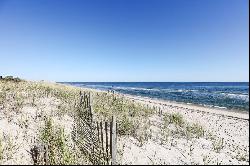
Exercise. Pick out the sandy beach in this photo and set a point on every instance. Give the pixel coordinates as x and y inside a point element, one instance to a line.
<point>166,105</point>
<point>198,135</point>
<point>230,125</point>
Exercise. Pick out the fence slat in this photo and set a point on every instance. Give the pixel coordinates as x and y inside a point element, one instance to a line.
<point>90,134</point>
<point>99,142</point>
<point>106,133</point>
<point>46,155</point>
<point>102,140</point>
<point>93,146</point>
<point>113,149</point>
<point>110,136</point>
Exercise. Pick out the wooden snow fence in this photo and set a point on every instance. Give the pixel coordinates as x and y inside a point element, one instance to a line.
<point>97,140</point>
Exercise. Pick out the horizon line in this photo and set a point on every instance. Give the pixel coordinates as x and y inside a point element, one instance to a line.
<point>153,81</point>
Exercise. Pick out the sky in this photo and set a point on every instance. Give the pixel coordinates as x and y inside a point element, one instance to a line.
<point>125,40</point>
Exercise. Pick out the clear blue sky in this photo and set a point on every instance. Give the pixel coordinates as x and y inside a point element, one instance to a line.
<point>125,40</point>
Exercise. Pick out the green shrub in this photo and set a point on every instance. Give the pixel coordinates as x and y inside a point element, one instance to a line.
<point>218,145</point>
<point>10,78</point>
<point>55,138</point>
<point>195,130</point>
<point>175,118</point>
<point>126,126</point>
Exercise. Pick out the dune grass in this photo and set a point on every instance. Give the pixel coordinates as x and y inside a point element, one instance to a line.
<point>134,119</point>
<point>56,140</point>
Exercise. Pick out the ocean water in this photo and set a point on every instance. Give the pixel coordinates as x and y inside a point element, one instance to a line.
<point>228,95</point>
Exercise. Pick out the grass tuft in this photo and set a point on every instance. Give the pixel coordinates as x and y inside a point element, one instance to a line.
<point>174,118</point>
<point>55,138</point>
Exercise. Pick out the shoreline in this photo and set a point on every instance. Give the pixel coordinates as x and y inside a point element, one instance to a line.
<point>195,107</point>
<point>212,110</point>
<point>232,128</point>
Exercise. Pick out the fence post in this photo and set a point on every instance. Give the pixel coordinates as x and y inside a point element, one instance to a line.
<point>46,155</point>
<point>107,142</point>
<point>103,155</point>
<point>113,153</point>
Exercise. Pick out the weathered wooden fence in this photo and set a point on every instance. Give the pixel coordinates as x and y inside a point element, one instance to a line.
<point>97,140</point>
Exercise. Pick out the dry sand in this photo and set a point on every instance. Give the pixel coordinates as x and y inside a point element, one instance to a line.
<point>229,126</point>
<point>232,128</point>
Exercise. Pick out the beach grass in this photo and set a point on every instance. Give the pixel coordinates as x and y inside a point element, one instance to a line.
<point>48,112</point>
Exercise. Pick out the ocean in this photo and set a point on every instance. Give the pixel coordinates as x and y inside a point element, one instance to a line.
<point>227,95</point>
